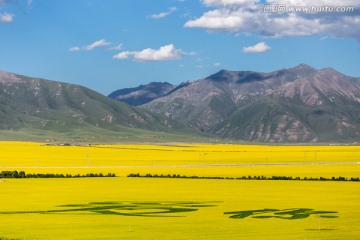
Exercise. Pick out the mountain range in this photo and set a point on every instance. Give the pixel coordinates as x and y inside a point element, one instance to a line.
<point>299,104</point>
<point>293,105</point>
<point>53,108</point>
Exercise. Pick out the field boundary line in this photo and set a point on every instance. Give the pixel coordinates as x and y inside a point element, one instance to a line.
<point>187,165</point>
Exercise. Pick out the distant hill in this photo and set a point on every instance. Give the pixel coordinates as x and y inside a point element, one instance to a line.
<point>142,94</point>
<point>299,104</point>
<point>42,106</point>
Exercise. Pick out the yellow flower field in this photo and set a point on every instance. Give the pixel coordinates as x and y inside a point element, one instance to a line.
<point>156,208</point>
<point>201,160</point>
<point>29,209</point>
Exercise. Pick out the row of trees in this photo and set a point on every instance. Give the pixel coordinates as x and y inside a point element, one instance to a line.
<point>22,174</point>
<point>245,177</point>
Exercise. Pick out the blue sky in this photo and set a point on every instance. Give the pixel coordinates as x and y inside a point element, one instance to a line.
<point>112,44</point>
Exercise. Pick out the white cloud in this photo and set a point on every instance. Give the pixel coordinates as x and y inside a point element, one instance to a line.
<point>223,20</point>
<point>164,53</point>
<point>99,43</point>
<point>74,49</point>
<point>217,64</point>
<point>123,55</point>
<point>117,47</point>
<point>163,14</point>
<point>6,17</point>
<point>316,3</point>
<point>246,17</point>
<point>96,44</point>
<point>257,48</point>
<point>214,3</point>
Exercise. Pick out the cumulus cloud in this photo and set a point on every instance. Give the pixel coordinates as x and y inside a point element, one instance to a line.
<point>248,17</point>
<point>6,17</point>
<point>163,14</point>
<point>164,53</point>
<point>123,55</point>
<point>257,48</point>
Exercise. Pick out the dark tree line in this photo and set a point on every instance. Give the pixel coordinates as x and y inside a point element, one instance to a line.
<point>22,174</point>
<point>246,177</point>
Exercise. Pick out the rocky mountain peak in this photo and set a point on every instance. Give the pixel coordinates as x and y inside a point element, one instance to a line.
<point>329,71</point>
<point>298,104</point>
<point>143,93</point>
<point>6,77</point>
<point>301,71</point>
<point>303,66</point>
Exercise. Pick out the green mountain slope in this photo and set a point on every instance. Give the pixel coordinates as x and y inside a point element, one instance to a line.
<point>32,105</point>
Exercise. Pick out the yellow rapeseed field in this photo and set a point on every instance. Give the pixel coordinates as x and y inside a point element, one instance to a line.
<point>134,208</point>
<point>201,160</point>
<point>157,208</point>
